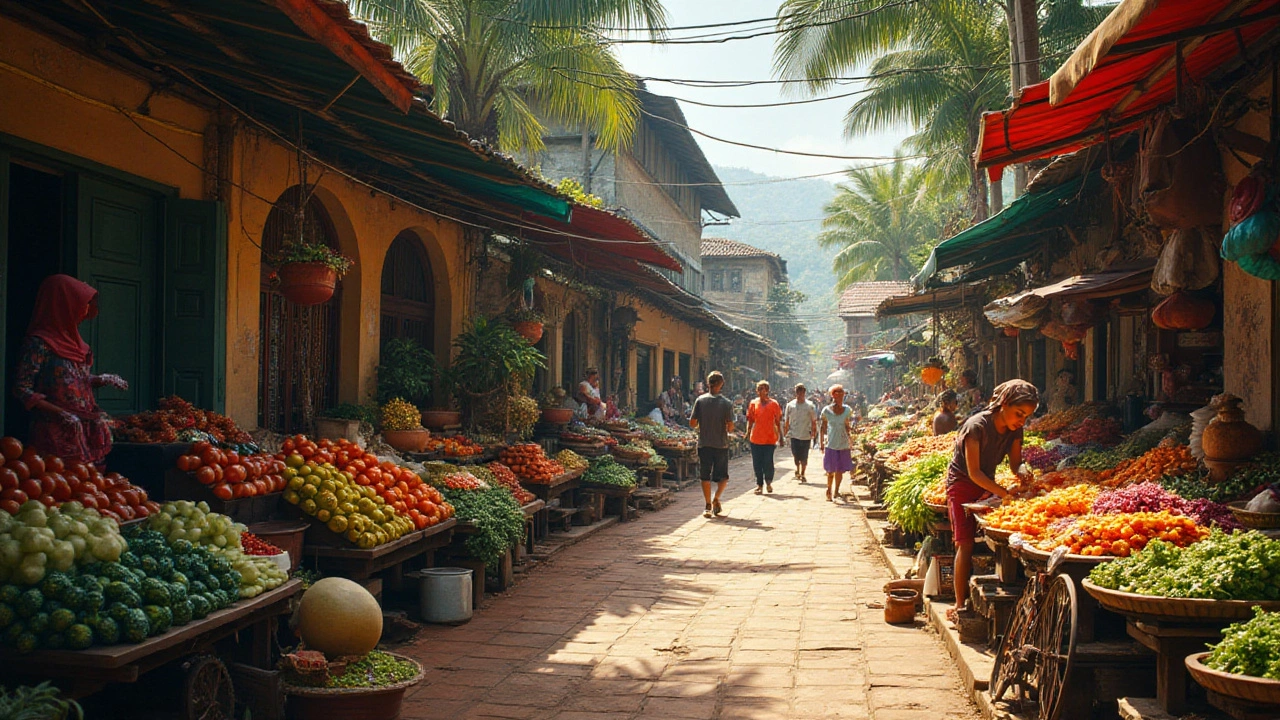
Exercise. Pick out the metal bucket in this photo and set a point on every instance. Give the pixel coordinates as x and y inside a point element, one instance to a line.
<point>444,594</point>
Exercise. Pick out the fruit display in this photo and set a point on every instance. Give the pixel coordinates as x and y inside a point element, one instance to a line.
<point>196,524</point>
<point>502,475</point>
<point>1134,446</point>
<point>457,446</point>
<point>523,412</point>
<point>1121,534</point>
<point>230,475</point>
<point>460,481</point>
<point>1065,478</point>
<point>571,460</point>
<point>1042,457</point>
<point>905,495</point>
<point>39,539</point>
<point>1141,497</point>
<point>1154,464</point>
<point>1033,516</point>
<point>1223,566</point>
<point>1054,423</point>
<point>338,617</point>
<point>927,445</point>
<point>400,488</point>
<point>1249,648</point>
<point>496,517</point>
<point>1095,431</point>
<point>604,470</point>
<point>377,669</point>
<point>346,507</point>
<point>171,418</point>
<point>27,475</point>
<point>530,464</point>
<point>253,545</point>
<point>663,436</point>
<point>400,414</point>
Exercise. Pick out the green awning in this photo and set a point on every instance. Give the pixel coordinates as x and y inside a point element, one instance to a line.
<point>1001,241</point>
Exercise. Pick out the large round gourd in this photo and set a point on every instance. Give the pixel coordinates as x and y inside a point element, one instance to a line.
<point>339,617</point>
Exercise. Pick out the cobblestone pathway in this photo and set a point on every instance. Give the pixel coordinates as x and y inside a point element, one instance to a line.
<point>762,613</point>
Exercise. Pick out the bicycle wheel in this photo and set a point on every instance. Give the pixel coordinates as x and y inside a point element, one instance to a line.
<point>1010,667</point>
<point>1055,641</point>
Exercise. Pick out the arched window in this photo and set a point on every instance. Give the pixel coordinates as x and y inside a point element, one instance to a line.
<point>298,359</point>
<point>408,293</point>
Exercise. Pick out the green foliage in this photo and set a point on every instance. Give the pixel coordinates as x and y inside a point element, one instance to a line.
<point>783,329</point>
<point>305,252</point>
<point>497,65</point>
<point>604,470</point>
<point>1239,566</point>
<point>905,495</point>
<point>364,412</point>
<point>498,520</point>
<point>407,370</point>
<point>491,356</point>
<point>41,702</point>
<point>574,189</point>
<point>1249,648</point>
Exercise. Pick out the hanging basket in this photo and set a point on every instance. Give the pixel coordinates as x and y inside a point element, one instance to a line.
<point>528,329</point>
<point>307,283</point>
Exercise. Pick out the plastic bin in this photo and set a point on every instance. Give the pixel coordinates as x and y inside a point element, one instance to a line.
<point>444,594</point>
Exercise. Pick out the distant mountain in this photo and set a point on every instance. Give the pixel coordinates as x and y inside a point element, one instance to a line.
<point>785,217</point>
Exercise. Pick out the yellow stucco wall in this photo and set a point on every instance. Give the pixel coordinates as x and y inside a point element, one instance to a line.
<point>59,98</point>
<point>663,332</point>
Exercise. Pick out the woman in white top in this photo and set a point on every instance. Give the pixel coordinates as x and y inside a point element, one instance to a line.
<point>591,406</point>
<point>800,424</point>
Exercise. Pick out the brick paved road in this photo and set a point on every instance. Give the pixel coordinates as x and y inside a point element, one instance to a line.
<point>762,613</point>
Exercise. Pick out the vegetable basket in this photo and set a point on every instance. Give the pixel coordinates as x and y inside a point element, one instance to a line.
<point>1177,609</point>
<point>1244,687</point>
<point>367,703</point>
<point>1252,519</point>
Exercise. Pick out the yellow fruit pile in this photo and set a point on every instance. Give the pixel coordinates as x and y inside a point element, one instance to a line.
<point>928,445</point>
<point>332,497</point>
<point>1151,466</point>
<point>1032,516</point>
<point>400,414</point>
<point>1122,534</point>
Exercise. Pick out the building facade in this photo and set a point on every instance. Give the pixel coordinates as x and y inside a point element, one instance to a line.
<point>739,278</point>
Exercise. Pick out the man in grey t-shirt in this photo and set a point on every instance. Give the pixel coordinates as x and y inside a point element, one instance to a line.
<point>713,417</point>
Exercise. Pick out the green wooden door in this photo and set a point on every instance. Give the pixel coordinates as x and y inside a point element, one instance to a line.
<point>117,244</point>
<point>195,282</point>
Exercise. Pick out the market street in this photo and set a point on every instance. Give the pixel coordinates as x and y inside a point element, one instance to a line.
<point>763,613</point>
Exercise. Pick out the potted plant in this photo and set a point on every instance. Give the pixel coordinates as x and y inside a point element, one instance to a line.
<point>402,426</point>
<point>308,272</point>
<point>492,361</point>
<point>347,420</point>
<point>42,701</point>
<point>528,323</point>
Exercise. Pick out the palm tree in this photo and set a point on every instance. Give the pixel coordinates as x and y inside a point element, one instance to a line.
<point>498,65</point>
<point>936,69</point>
<point>883,220</point>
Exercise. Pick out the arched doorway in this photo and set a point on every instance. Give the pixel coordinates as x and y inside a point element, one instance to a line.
<point>298,359</point>
<point>408,293</point>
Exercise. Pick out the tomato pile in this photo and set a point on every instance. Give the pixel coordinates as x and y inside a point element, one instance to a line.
<point>1122,534</point>
<point>1032,516</point>
<point>27,475</point>
<point>230,475</point>
<point>399,487</point>
<point>1151,466</point>
<point>503,476</point>
<point>172,417</point>
<point>530,464</point>
<point>253,545</point>
<point>457,446</point>
<point>461,481</point>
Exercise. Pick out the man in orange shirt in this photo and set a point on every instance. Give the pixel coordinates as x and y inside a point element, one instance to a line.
<point>764,432</point>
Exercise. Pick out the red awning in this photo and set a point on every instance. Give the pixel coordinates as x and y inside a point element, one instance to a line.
<point>596,238</point>
<point>1124,71</point>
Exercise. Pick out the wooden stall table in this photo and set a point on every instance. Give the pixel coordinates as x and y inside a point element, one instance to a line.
<point>88,671</point>
<point>615,493</point>
<point>565,484</point>
<point>361,564</point>
<point>535,515</point>
<point>682,464</point>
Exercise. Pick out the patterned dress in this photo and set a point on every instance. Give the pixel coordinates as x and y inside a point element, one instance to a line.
<point>43,375</point>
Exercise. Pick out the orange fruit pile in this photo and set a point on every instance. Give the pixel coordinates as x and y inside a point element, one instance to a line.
<point>1122,534</point>
<point>1032,516</point>
<point>1150,467</point>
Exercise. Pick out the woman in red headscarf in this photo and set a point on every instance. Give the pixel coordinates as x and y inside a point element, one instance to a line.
<point>54,381</point>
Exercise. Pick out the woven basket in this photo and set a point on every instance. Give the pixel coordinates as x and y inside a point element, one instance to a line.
<point>1255,520</point>
<point>1244,687</point>
<point>1184,609</point>
<point>382,703</point>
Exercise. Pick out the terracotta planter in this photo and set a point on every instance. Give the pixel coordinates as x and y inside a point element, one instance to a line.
<point>529,330</point>
<point>900,606</point>
<point>383,703</point>
<point>557,416</point>
<point>307,283</point>
<point>437,419</point>
<point>407,440</point>
<point>1229,436</point>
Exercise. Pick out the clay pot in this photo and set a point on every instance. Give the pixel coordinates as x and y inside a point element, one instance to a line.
<point>307,283</point>
<point>529,330</point>
<point>407,440</point>
<point>557,416</point>
<point>439,419</point>
<point>900,606</point>
<point>1229,437</point>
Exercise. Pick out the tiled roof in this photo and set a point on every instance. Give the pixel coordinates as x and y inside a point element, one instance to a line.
<point>724,247</point>
<point>863,298</point>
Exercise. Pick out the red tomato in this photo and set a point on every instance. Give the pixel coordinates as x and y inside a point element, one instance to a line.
<point>47,500</point>
<point>10,506</point>
<point>231,457</point>
<point>54,464</point>
<point>79,471</point>
<point>34,461</point>
<point>87,499</point>
<point>10,448</point>
<point>8,478</point>
<point>123,511</point>
<point>131,496</point>
<point>105,512</point>
<point>187,463</point>
<point>31,487</point>
<point>206,475</point>
<point>211,457</point>
<point>46,484</point>
<point>152,506</point>
<point>219,473</point>
<point>14,494</point>
<point>61,489</point>
<point>239,490</point>
<point>223,491</point>
<point>235,473</point>
<point>200,447</point>
<point>20,468</point>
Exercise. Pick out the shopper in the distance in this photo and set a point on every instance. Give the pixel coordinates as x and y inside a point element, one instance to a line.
<point>799,425</point>
<point>764,431</point>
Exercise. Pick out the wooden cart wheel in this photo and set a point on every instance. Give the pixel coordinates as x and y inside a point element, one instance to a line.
<point>1055,641</point>
<point>1011,670</point>
<point>209,694</point>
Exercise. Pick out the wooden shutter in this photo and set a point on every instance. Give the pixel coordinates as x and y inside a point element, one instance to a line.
<point>195,302</point>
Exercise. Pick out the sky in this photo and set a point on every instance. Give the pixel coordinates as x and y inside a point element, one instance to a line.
<point>813,127</point>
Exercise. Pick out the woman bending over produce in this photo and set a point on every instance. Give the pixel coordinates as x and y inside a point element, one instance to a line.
<point>984,440</point>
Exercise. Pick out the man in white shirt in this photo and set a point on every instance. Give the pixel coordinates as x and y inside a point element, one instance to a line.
<point>799,425</point>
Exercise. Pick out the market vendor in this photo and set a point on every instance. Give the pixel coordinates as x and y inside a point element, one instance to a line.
<point>944,421</point>
<point>985,439</point>
<point>968,394</point>
<point>54,381</point>
<point>587,395</point>
<point>672,404</point>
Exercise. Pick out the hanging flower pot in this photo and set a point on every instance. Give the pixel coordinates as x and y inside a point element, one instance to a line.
<point>530,330</point>
<point>933,371</point>
<point>307,283</point>
<point>1184,311</point>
